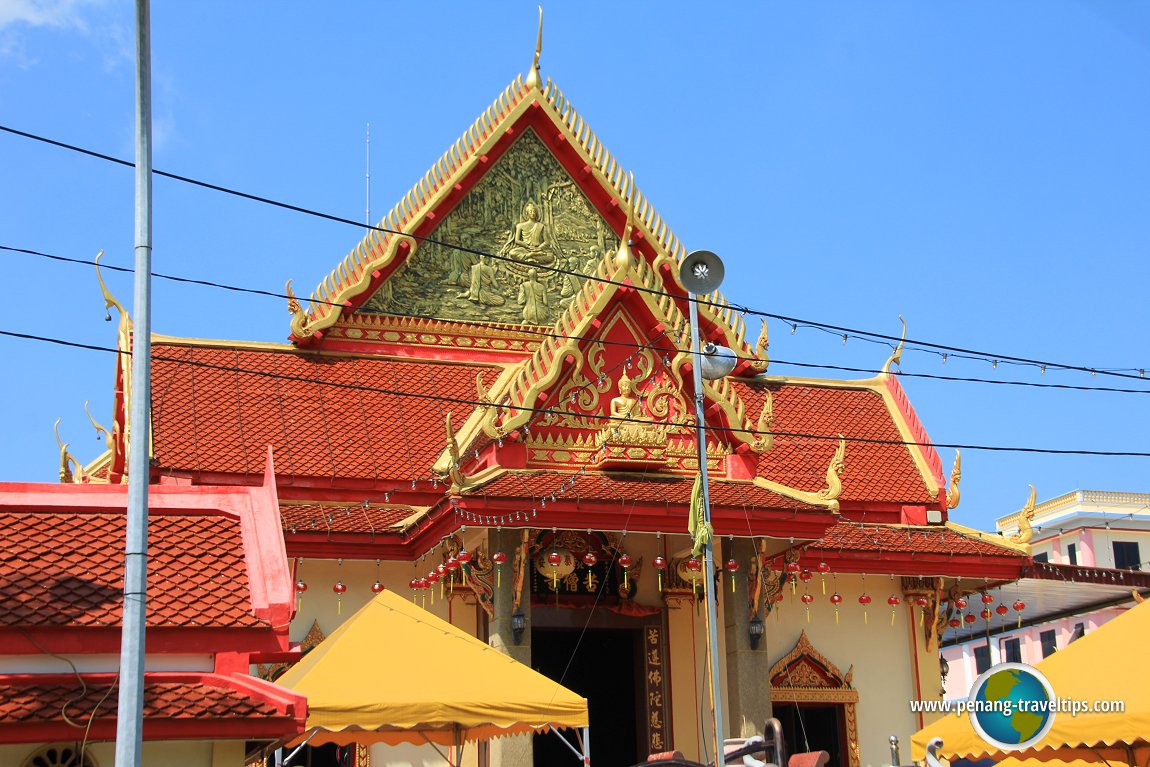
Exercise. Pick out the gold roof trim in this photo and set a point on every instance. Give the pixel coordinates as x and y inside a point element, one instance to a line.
<point>997,540</point>
<point>377,249</point>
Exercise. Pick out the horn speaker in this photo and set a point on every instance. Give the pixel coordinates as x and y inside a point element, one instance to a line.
<point>701,272</point>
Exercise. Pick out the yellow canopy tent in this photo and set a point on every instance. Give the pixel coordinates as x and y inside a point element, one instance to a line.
<point>394,673</point>
<point>1108,664</point>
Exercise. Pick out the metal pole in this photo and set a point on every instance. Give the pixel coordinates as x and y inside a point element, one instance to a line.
<point>130,714</point>
<point>708,550</point>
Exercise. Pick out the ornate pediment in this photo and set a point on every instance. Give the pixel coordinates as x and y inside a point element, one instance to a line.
<point>805,667</point>
<point>531,216</point>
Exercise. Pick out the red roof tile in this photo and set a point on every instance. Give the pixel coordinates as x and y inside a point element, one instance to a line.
<point>219,413</point>
<point>66,569</point>
<point>45,702</point>
<point>854,536</point>
<point>874,472</point>
<point>353,518</point>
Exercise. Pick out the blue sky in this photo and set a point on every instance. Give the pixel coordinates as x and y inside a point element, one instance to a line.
<point>979,168</point>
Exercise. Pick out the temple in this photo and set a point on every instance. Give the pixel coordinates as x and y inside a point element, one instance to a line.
<point>487,407</point>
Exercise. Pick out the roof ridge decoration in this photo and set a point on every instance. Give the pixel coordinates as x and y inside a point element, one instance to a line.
<point>122,390</point>
<point>952,492</point>
<point>1025,531</point>
<point>394,236</point>
<point>896,357</point>
<point>829,495</point>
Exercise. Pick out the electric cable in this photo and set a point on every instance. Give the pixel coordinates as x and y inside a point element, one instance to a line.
<point>606,342</point>
<point>559,411</point>
<point>793,321</point>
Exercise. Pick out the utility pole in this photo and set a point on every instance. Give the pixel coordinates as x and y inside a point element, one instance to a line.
<point>130,713</point>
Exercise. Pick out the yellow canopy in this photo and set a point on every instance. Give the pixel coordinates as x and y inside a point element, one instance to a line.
<point>1107,664</point>
<point>395,673</point>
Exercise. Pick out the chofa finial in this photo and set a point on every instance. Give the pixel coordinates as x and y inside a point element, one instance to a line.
<point>534,79</point>
<point>896,358</point>
<point>624,258</point>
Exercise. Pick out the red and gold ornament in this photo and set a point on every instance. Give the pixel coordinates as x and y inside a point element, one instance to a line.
<point>836,600</point>
<point>922,603</point>
<point>732,568</point>
<point>823,568</point>
<point>894,602</point>
<point>590,559</point>
<point>865,600</point>
<point>625,561</point>
<point>694,566</point>
<point>807,599</point>
<point>1019,606</point>
<point>500,559</point>
<point>660,564</point>
<point>300,588</point>
<point>553,559</point>
<point>339,588</point>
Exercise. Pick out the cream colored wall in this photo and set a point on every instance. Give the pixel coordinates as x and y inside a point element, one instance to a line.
<point>319,601</point>
<point>172,753</point>
<point>881,654</point>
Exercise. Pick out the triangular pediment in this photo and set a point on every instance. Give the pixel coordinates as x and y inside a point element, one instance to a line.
<point>451,262</point>
<point>532,216</point>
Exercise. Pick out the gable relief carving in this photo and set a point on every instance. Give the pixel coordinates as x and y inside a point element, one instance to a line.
<point>525,209</point>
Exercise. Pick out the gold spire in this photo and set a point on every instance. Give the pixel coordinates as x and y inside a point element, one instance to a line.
<point>534,79</point>
<point>896,358</point>
<point>1025,531</point>
<point>624,257</point>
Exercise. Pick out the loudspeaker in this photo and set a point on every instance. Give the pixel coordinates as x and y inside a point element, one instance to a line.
<point>701,272</point>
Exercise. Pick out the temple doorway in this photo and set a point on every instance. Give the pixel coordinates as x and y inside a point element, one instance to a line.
<point>814,727</point>
<point>603,668</point>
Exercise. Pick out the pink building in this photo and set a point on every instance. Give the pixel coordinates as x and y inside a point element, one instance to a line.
<point>1089,552</point>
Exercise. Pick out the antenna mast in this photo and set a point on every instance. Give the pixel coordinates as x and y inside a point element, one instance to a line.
<point>367,179</point>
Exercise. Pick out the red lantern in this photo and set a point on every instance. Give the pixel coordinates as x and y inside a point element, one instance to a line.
<point>553,559</point>
<point>590,559</point>
<point>987,599</point>
<point>300,586</point>
<point>968,618</point>
<point>792,567</point>
<point>894,602</point>
<point>376,587</point>
<point>660,564</point>
<point>836,600</point>
<point>807,599</point>
<point>464,556</point>
<point>732,568</point>
<point>413,583</point>
<point>339,589</point>
<point>1002,609</point>
<point>625,561</point>
<point>499,558</point>
<point>1019,606</point>
<point>986,613</point>
<point>954,623</point>
<point>452,564</point>
<point>792,571</point>
<point>922,602</point>
<point>960,603</point>
<point>865,600</point>
<point>695,567</point>
<point>823,569</point>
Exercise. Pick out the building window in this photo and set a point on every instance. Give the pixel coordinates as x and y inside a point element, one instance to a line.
<point>1012,650</point>
<point>1126,556</point>
<point>1049,643</point>
<point>981,658</point>
<point>1043,557</point>
<point>1072,554</point>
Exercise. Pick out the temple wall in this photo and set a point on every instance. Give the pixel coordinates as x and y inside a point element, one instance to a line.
<point>170,753</point>
<point>882,655</point>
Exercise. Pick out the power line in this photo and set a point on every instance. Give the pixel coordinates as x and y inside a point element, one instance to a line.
<point>942,349</point>
<point>559,411</point>
<point>606,342</point>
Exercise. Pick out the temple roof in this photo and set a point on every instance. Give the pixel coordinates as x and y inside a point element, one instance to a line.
<point>216,561</point>
<point>33,707</point>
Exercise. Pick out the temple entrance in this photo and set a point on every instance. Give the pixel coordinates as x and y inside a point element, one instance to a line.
<point>814,727</point>
<point>604,670</point>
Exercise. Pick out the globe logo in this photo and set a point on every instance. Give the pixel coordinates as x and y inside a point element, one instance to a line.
<point>1011,706</point>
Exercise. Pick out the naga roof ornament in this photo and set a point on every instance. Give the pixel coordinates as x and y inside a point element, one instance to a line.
<point>896,358</point>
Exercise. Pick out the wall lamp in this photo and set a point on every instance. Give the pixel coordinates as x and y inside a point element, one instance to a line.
<point>518,625</point>
<point>756,629</point>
